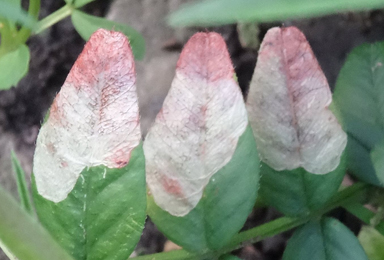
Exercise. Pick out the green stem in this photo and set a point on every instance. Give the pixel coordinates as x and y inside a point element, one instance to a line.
<point>355,192</point>
<point>53,18</point>
<point>33,10</point>
<point>6,37</point>
<point>364,215</point>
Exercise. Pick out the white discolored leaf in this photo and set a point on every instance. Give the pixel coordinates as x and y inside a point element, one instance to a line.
<point>196,132</point>
<point>94,119</point>
<point>288,106</point>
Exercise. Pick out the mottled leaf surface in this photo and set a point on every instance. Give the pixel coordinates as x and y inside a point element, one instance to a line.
<point>196,132</point>
<point>94,119</point>
<point>103,216</point>
<point>325,239</point>
<point>359,94</point>
<point>288,106</point>
<point>225,205</point>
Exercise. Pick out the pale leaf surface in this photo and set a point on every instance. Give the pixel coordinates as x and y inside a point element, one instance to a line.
<point>288,106</point>
<point>196,132</point>
<point>94,119</point>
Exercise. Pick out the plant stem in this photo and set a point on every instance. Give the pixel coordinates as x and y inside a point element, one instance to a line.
<point>6,37</point>
<point>355,192</point>
<point>33,10</point>
<point>53,18</point>
<point>364,215</point>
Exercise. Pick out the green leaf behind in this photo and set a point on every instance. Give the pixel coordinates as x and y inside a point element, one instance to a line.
<point>22,235</point>
<point>372,242</point>
<point>103,216</point>
<point>12,11</point>
<point>299,192</point>
<point>227,200</point>
<point>325,239</point>
<point>13,66</point>
<point>216,12</point>
<point>359,94</point>
<point>86,24</point>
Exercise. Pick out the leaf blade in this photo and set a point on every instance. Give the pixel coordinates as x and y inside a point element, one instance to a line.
<point>23,236</point>
<point>288,106</point>
<point>103,216</point>
<point>324,240</point>
<point>217,12</point>
<point>14,66</point>
<point>359,97</point>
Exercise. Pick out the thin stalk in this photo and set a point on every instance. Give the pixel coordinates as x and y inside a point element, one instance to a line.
<point>33,10</point>
<point>6,37</point>
<point>22,187</point>
<point>364,215</point>
<point>53,18</point>
<point>355,192</point>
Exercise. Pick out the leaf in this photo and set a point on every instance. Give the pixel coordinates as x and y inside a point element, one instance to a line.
<point>288,106</point>
<point>372,242</point>
<point>14,66</point>
<point>229,257</point>
<point>297,192</point>
<point>226,202</point>
<point>23,236</point>
<point>80,3</point>
<point>217,12</point>
<point>94,120</point>
<point>360,97</point>
<point>12,11</point>
<point>86,24</point>
<point>22,186</point>
<point>103,217</point>
<point>359,162</point>
<point>326,239</point>
<point>377,158</point>
<point>196,131</point>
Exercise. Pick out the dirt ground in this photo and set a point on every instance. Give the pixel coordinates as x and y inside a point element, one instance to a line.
<point>54,51</point>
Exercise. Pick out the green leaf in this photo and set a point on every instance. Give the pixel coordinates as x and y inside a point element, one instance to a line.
<point>227,200</point>
<point>372,242</point>
<point>22,186</point>
<point>22,236</point>
<point>229,257</point>
<point>216,12</point>
<point>104,215</point>
<point>326,239</point>
<point>377,158</point>
<point>13,66</point>
<point>359,94</point>
<point>80,3</point>
<point>87,24</point>
<point>299,192</point>
<point>12,11</point>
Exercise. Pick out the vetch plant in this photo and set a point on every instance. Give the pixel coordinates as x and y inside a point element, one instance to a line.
<point>207,158</point>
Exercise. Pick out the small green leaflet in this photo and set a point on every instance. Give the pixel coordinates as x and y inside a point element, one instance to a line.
<point>13,66</point>
<point>325,239</point>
